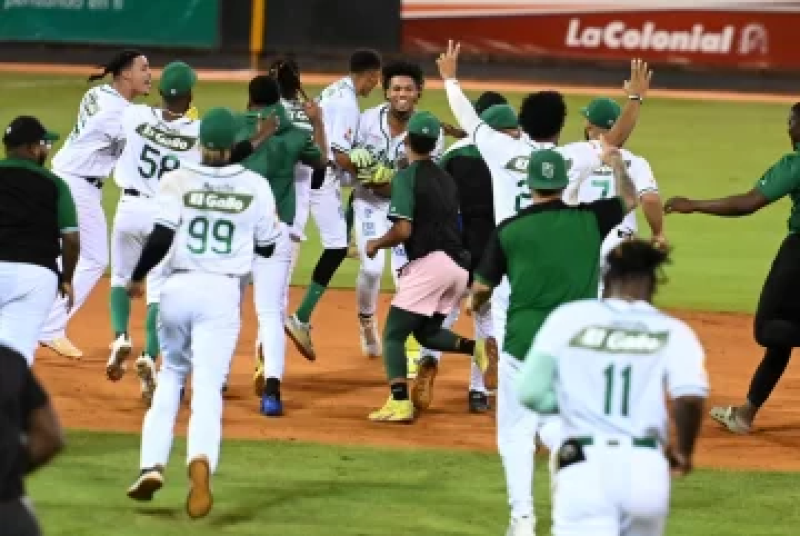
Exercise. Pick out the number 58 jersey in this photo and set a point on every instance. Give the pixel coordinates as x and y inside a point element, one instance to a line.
<point>153,147</point>
<point>219,215</point>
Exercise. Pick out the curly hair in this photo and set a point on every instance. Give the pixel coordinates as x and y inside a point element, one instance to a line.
<point>403,68</point>
<point>542,115</point>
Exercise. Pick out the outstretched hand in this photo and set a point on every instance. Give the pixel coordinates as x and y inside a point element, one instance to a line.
<point>639,82</point>
<point>448,61</point>
<point>681,205</point>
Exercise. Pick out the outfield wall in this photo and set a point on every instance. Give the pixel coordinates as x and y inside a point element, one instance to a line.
<point>699,44</point>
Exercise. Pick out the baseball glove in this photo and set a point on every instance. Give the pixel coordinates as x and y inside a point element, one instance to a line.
<point>378,175</point>
<point>361,158</point>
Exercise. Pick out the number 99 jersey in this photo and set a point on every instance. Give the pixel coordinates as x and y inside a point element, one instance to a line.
<point>153,147</point>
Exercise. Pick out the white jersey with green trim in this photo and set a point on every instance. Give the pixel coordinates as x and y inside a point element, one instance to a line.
<point>154,147</point>
<point>616,363</point>
<point>602,185</point>
<point>96,140</point>
<point>218,214</point>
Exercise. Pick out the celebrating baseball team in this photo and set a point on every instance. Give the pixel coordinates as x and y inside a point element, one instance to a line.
<point>534,239</point>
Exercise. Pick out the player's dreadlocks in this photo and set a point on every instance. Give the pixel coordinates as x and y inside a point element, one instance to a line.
<point>118,63</point>
<point>286,72</point>
<point>403,68</point>
<point>634,261</point>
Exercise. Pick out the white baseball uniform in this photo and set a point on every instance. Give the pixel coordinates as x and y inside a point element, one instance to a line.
<point>607,367</point>
<point>153,147</point>
<point>371,211</point>
<point>86,159</point>
<point>507,159</point>
<point>341,114</point>
<point>218,214</point>
<point>601,185</point>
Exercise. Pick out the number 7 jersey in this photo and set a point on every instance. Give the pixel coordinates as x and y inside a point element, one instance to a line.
<point>219,215</point>
<point>153,147</point>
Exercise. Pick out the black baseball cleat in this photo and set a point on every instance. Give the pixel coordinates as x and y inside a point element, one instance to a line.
<point>478,402</point>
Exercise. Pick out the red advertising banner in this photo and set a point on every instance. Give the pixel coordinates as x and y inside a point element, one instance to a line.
<point>712,38</point>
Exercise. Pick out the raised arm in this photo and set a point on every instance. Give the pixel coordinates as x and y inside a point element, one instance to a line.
<point>636,89</point>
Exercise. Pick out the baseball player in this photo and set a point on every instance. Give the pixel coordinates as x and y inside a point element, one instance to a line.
<point>380,149</point>
<point>212,216</point>
<point>777,318</point>
<point>86,159</point>
<point>544,270</point>
<point>157,141</point>
<point>424,215</point>
<point>601,115</point>
<point>606,367</point>
<point>463,162</point>
<point>340,108</point>
<point>541,117</point>
<point>37,210</point>
<point>276,160</point>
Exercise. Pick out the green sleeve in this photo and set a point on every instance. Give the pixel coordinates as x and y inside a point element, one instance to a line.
<point>402,205</point>
<point>493,264</point>
<point>67,215</point>
<point>536,385</point>
<point>781,179</point>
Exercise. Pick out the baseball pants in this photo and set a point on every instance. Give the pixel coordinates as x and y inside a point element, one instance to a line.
<point>620,489</point>
<point>93,259</point>
<point>198,333</point>
<point>270,295</point>
<point>27,293</point>
<point>517,426</point>
<point>133,223</point>
<point>328,212</point>
<point>372,222</point>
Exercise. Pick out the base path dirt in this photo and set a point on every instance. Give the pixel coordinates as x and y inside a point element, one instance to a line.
<point>328,400</point>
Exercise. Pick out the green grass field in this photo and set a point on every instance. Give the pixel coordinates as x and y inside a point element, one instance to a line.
<point>696,149</point>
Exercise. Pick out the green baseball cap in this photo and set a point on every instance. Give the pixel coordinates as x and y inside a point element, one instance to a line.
<point>547,170</point>
<point>177,79</point>
<point>424,124</point>
<point>602,112</point>
<point>500,116</point>
<point>218,129</point>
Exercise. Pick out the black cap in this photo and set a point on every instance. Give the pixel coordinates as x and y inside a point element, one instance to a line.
<point>25,130</point>
<point>488,99</point>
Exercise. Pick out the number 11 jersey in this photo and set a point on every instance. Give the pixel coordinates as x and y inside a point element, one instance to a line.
<point>153,147</point>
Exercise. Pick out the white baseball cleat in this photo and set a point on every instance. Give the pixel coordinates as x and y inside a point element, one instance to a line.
<point>63,346</point>
<point>148,483</point>
<point>521,526</point>
<point>120,351</point>
<point>146,370</point>
<point>300,333</point>
<point>370,338</point>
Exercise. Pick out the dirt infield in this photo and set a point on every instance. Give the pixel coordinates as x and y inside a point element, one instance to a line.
<point>328,400</point>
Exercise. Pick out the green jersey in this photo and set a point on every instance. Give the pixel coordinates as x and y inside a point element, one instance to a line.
<point>783,179</point>
<point>276,158</point>
<point>551,255</point>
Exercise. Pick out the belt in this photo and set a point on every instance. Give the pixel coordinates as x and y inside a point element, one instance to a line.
<point>643,442</point>
<point>133,192</point>
<point>185,271</point>
<point>95,181</point>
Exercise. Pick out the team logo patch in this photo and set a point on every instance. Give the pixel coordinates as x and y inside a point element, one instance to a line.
<point>620,341</point>
<point>219,202</point>
<point>548,170</point>
<point>170,140</point>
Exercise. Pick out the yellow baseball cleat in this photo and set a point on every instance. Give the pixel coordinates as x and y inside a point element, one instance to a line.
<point>486,357</point>
<point>394,411</point>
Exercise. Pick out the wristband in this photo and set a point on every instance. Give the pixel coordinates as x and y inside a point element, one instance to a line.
<point>636,98</point>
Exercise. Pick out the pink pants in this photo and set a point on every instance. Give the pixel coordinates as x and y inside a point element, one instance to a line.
<point>432,284</point>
